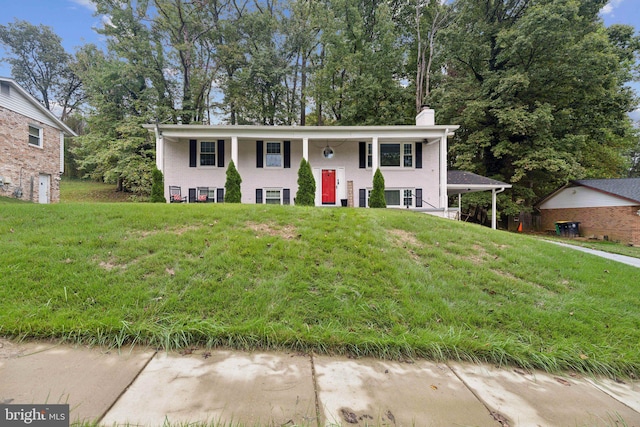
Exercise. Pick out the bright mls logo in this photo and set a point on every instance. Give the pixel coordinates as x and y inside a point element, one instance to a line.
<point>34,415</point>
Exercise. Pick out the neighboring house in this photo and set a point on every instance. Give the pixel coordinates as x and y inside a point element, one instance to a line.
<point>603,207</point>
<point>31,146</point>
<point>412,159</point>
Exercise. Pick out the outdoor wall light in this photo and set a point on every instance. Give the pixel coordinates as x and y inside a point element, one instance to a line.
<point>327,153</point>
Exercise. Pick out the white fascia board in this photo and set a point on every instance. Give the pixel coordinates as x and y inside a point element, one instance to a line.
<point>410,133</point>
<point>469,188</point>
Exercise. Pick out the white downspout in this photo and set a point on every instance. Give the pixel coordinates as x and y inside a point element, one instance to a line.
<point>493,206</point>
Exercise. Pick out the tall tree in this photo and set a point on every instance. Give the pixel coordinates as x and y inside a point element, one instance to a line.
<point>538,88</point>
<point>116,149</point>
<point>360,66</point>
<point>40,64</point>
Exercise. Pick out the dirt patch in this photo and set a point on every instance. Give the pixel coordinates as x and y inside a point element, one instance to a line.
<point>286,232</point>
<point>407,241</point>
<point>403,237</point>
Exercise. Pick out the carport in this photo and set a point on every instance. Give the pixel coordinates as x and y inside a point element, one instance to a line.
<point>461,182</point>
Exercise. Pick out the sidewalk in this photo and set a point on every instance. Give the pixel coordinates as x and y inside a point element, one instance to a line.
<point>614,257</point>
<point>228,388</point>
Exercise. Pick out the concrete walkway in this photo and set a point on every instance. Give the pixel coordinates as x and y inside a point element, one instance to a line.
<point>139,386</point>
<point>614,257</point>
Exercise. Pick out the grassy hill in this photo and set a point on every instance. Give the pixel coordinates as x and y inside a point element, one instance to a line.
<point>386,283</point>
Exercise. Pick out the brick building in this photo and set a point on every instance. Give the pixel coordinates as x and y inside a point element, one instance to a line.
<point>604,207</point>
<point>31,146</point>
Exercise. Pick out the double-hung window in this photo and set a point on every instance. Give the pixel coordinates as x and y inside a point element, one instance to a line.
<point>274,155</point>
<point>396,155</point>
<point>398,197</point>
<point>35,136</point>
<point>273,196</point>
<point>207,153</point>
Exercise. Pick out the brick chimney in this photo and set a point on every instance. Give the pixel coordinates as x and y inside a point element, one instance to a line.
<point>426,117</point>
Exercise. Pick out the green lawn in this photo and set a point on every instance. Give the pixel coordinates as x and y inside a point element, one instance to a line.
<point>386,283</point>
<point>83,191</point>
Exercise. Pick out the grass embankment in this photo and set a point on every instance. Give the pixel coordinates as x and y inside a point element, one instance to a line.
<point>385,283</point>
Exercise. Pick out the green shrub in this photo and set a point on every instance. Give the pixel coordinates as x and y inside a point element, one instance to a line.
<point>377,193</point>
<point>232,193</point>
<point>306,194</point>
<point>157,187</point>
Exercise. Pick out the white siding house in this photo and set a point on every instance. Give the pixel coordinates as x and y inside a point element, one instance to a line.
<point>413,160</point>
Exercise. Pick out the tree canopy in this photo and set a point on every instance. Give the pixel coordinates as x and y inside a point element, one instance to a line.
<point>539,87</point>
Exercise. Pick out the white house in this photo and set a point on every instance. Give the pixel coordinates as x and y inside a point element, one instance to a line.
<point>413,160</point>
<point>31,146</point>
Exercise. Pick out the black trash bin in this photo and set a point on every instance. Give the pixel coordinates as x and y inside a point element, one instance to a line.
<point>568,228</point>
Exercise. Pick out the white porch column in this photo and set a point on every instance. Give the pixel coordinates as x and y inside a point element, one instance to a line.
<point>305,149</point>
<point>493,209</point>
<point>494,206</point>
<point>375,163</point>
<point>444,200</point>
<point>160,153</point>
<point>234,150</point>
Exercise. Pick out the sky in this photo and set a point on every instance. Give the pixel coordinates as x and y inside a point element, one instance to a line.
<point>74,22</point>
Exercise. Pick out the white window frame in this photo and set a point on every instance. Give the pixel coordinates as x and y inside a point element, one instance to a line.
<point>403,192</point>
<point>211,193</point>
<point>40,143</point>
<point>265,198</point>
<point>266,154</point>
<point>403,147</point>
<point>214,153</point>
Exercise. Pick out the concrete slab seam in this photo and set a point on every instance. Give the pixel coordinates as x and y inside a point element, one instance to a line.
<point>104,414</point>
<point>315,388</point>
<point>504,421</point>
<point>613,396</point>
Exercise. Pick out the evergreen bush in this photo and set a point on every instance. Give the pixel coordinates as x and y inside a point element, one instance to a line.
<point>232,193</point>
<point>306,194</point>
<point>157,187</point>
<point>377,199</point>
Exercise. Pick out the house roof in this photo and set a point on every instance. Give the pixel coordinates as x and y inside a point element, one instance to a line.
<point>460,182</point>
<point>66,129</point>
<point>429,134</point>
<point>628,188</point>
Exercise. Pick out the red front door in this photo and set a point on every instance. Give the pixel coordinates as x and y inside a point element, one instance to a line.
<point>328,187</point>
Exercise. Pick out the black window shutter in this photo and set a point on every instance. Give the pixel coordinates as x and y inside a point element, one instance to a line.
<point>418,155</point>
<point>193,153</point>
<point>418,197</point>
<point>363,198</point>
<point>221,153</point>
<point>258,195</point>
<point>287,154</point>
<point>362,154</point>
<point>286,196</point>
<point>220,195</point>
<point>259,154</point>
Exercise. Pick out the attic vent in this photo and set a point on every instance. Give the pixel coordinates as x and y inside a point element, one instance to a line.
<point>5,89</point>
